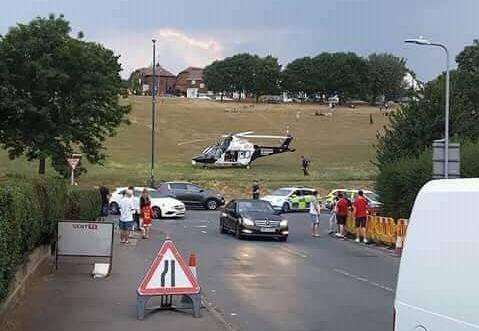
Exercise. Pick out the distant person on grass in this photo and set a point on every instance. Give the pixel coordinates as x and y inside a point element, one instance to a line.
<point>314,212</point>
<point>360,212</point>
<point>305,165</point>
<point>255,190</point>
<point>342,207</point>
<point>127,208</point>
<point>146,213</point>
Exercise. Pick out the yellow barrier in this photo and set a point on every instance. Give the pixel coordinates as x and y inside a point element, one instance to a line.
<point>381,230</point>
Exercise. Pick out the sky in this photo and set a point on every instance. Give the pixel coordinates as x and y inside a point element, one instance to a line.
<point>194,33</point>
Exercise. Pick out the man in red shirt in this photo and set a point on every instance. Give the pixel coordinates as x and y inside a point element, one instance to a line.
<point>360,212</point>
<point>342,207</point>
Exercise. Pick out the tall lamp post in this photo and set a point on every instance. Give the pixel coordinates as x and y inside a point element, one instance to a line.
<point>153,115</point>
<point>424,42</point>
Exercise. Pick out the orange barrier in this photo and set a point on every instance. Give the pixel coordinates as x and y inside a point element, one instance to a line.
<point>381,230</point>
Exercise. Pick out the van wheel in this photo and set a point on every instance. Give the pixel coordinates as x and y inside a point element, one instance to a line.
<point>211,204</point>
<point>238,233</point>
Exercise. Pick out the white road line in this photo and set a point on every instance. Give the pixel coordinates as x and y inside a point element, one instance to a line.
<point>363,279</point>
<point>204,232</point>
<point>295,252</point>
<point>200,226</point>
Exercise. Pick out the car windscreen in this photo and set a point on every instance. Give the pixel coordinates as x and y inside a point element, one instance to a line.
<point>281,192</point>
<point>156,194</point>
<point>255,206</point>
<point>372,196</point>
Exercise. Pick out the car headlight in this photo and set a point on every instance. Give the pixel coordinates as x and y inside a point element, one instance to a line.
<point>283,223</point>
<point>248,221</point>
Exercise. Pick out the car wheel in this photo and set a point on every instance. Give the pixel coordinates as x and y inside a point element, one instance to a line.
<point>238,233</point>
<point>222,227</point>
<point>211,204</point>
<point>156,213</point>
<point>286,207</point>
<point>114,208</point>
<point>283,239</point>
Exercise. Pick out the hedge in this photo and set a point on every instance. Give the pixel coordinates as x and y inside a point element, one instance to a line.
<point>399,183</point>
<point>29,212</point>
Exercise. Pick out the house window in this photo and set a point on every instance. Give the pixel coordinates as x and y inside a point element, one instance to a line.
<point>193,82</point>
<point>202,85</point>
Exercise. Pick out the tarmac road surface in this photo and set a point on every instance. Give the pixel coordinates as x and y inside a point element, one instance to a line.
<point>304,284</point>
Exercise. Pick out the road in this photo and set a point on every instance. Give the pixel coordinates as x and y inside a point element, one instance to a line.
<point>304,284</point>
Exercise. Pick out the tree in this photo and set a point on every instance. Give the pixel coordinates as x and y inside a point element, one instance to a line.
<point>214,76</point>
<point>58,94</point>
<point>267,74</point>
<point>298,77</point>
<point>386,76</point>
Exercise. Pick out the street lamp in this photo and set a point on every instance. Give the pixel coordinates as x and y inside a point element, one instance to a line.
<point>153,111</point>
<point>424,42</point>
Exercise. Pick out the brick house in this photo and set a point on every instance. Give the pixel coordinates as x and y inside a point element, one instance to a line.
<point>190,83</point>
<point>165,80</point>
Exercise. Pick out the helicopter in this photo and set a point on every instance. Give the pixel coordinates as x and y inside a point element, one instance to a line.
<point>236,150</point>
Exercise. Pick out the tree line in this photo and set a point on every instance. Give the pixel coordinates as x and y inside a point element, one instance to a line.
<point>347,75</point>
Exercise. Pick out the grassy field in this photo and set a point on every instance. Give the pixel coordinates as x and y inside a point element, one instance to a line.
<point>340,147</point>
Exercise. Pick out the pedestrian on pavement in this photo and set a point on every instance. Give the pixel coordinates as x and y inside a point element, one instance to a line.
<point>136,213</point>
<point>255,190</point>
<point>305,165</point>
<point>105,201</point>
<point>342,207</point>
<point>146,213</point>
<point>360,212</point>
<point>333,228</point>
<point>314,212</point>
<point>127,208</point>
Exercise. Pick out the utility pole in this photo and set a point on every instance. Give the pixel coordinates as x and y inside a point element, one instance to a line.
<point>153,116</point>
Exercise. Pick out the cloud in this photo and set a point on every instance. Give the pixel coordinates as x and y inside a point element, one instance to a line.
<point>176,49</point>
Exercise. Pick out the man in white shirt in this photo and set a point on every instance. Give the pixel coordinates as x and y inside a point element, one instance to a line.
<point>127,208</point>
<point>314,212</point>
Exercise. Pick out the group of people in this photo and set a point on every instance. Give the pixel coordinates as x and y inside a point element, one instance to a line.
<point>339,214</point>
<point>132,216</point>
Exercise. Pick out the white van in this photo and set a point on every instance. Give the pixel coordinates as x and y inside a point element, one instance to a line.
<point>438,283</point>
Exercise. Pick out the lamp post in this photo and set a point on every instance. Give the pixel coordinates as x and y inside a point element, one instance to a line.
<point>153,113</point>
<point>424,42</point>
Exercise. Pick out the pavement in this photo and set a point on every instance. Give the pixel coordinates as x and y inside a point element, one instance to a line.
<point>304,284</point>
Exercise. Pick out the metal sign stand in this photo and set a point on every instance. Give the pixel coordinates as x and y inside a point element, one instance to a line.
<point>188,301</point>
<point>170,279</point>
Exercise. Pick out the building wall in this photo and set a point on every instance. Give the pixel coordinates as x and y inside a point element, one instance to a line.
<point>165,84</point>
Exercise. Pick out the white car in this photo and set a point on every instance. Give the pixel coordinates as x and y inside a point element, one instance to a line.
<point>161,206</point>
<point>289,199</point>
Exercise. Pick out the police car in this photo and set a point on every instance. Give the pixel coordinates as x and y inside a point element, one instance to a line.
<point>289,199</point>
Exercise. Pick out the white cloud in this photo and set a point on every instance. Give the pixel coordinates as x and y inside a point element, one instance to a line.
<point>176,49</point>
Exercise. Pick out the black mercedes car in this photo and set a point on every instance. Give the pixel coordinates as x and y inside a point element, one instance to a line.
<point>255,218</point>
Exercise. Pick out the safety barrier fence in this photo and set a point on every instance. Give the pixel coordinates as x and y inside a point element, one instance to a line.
<point>382,230</point>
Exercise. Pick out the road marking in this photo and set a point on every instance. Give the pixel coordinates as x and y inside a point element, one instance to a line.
<point>295,252</point>
<point>363,279</point>
<point>200,226</point>
<point>204,232</point>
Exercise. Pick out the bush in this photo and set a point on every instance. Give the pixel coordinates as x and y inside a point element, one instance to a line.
<point>399,183</point>
<point>83,204</point>
<point>29,213</point>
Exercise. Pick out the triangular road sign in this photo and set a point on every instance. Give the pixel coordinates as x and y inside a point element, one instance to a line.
<point>168,274</point>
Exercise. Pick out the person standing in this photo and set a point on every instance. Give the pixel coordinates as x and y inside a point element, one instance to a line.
<point>146,213</point>
<point>127,208</point>
<point>332,217</point>
<point>305,165</point>
<point>255,189</point>
<point>360,212</point>
<point>342,207</point>
<point>105,201</point>
<point>314,212</point>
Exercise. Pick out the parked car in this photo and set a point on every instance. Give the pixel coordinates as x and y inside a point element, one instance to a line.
<point>192,195</point>
<point>375,205</point>
<point>248,217</point>
<point>161,206</point>
<point>289,199</point>
<point>437,285</point>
